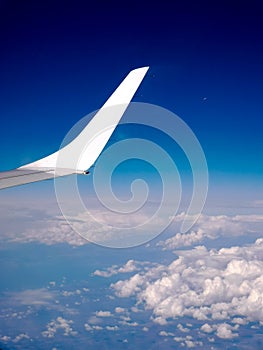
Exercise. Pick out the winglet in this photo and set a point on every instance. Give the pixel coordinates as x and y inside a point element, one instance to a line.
<point>82,152</point>
<point>126,90</point>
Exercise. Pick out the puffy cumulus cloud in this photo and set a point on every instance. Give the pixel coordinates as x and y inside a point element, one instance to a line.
<point>130,266</point>
<point>20,337</point>
<point>188,342</point>
<point>129,287</point>
<point>69,293</point>
<point>183,240</point>
<point>8,311</point>
<point>207,328</point>
<point>166,334</point>
<point>193,344</point>
<point>61,324</point>
<point>5,338</point>
<point>212,227</point>
<point>225,331</point>
<point>239,320</point>
<point>119,309</point>
<point>207,285</point>
<point>182,328</point>
<point>130,324</point>
<point>90,328</point>
<point>103,313</point>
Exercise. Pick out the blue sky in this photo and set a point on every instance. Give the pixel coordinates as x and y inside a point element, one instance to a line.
<point>60,60</point>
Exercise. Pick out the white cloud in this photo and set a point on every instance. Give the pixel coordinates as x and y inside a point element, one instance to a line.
<point>207,328</point>
<point>212,227</point>
<point>5,338</point>
<point>128,287</point>
<point>125,318</point>
<point>160,320</point>
<point>182,328</point>
<point>49,227</point>
<point>166,334</point>
<point>67,293</point>
<point>59,323</point>
<point>239,320</point>
<point>97,328</point>
<point>35,297</point>
<point>130,324</point>
<point>52,232</point>
<point>103,314</point>
<point>112,328</point>
<point>188,342</point>
<point>20,337</point>
<point>88,327</point>
<point>224,331</point>
<point>178,339</point>
<point>94,320</point>
<point>119,310</point>
<point>135,309</point>
<point>214,285</point>
<point>183,240</point>
<point>43,222</point>
<point>130,266</point>
<point>193,344</point>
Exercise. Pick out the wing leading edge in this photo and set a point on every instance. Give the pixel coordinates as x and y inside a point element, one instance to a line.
<point>80,154</point>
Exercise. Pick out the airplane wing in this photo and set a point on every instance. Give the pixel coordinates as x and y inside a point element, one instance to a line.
<point>19,177</point>
<point>81,153</point>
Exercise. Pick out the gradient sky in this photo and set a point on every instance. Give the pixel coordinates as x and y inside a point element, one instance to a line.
<point>60,60</point>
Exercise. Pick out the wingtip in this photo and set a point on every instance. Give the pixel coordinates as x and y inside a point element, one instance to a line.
<point>139,73</point>
<point>141,69</point>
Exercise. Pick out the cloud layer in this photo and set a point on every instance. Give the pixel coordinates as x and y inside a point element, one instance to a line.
<point>49,227</point>
<point>212,227</point>
<point>211,286</point>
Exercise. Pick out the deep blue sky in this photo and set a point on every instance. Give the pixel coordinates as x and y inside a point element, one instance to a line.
<point>60,60</point>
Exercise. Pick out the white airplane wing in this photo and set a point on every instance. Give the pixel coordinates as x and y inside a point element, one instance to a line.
<point>81,153</point>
